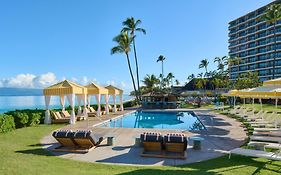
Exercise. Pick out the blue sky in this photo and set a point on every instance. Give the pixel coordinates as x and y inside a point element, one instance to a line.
<point>60,39</point>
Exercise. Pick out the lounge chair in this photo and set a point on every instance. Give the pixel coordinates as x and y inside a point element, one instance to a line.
<point>86,139</point>
<point>65,138</point>
<point>267,129</point>
<point>175,143</point>
<point>256,153</point>
<point>78,142</point>
<point>275,139</point>
<point>269,145</point>
<point>91,112</point>
<point>57,118</point>
<point>66,114</point>
<point>152,145</point>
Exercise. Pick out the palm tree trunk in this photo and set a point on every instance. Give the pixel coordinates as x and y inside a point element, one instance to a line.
<point>162,75</point>
<point>137,67</point>
<point>275,49</point>
<point>133,80</point>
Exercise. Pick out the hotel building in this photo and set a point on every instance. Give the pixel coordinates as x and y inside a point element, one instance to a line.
<point>252,40</point>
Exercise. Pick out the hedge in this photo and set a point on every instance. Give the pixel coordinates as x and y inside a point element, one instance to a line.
<point>6,123</point>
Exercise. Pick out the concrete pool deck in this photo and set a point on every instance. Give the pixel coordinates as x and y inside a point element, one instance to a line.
<point>222,134</point>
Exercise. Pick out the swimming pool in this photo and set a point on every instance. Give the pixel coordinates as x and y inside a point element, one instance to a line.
<point>157,120</point>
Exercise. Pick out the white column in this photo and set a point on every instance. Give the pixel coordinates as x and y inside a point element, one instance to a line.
<point>121,102</point>
<point>106,103</point>
<point>114,102</point>
<point>62,103</point>
<point>71,99</point>
<point>98,103</point>
<point>276,102</point>
<point>260,102</point>
<point>47,119</point>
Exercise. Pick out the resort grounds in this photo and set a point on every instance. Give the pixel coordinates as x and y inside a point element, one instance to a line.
<point>23,152</point>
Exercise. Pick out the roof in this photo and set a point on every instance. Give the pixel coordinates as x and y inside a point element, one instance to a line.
<point>93,88</point>
<point>63,88</point>
<point>114,90</point>
<point>276,81</point>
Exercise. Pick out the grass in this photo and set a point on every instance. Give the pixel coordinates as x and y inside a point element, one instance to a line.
<point>266,107</point>
<point>21,153</point>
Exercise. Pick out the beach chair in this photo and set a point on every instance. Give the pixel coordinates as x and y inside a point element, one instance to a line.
<point>57,118</point>
<point>272,138</point>
<point>86,140</point>
<point>175,143</point>
<point>152,145</point>
<point>65,138</point>
<point>66,114</point>
<point>256,153</point>
<point>91,112</point>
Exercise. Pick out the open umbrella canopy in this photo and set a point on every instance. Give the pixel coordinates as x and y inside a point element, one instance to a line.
<point>268,91</point>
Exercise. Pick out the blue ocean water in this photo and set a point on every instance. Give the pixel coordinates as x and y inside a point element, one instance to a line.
<point>8,103</point>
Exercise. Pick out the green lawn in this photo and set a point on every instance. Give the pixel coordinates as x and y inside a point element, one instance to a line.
<point>21,153</point>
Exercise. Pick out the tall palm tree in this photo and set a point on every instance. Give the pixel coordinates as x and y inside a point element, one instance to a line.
<point>150,82</point>
<point>170,76</point>
<point>161,58</point>
<point>130,25</point>
<point>177,82</point>
<point>271,16</point>
<point>124,41</point>
<point>204,64</point>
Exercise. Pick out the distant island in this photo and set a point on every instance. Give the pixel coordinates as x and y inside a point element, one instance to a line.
<point>20,92</point>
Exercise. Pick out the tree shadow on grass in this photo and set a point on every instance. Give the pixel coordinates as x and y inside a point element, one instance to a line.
<point>36,151</point>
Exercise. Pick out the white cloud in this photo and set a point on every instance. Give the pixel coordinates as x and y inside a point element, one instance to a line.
<point>29,81</point>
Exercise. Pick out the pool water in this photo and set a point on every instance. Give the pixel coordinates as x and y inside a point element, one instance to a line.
<point>157,120</point>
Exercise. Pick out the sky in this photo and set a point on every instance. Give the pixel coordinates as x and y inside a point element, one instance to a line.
<point>43,42</point>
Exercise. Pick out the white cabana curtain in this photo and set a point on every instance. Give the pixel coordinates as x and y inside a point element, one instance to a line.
<point>79,98</point>
<point>62,102</point>
<point>89,101</point>
<point>98,97</point>
<point>106,103</point>
<point>47,119</point>
<point>114,102</point>
<point>84,98</point>
<point>121,102</point>
<point>71,99</point>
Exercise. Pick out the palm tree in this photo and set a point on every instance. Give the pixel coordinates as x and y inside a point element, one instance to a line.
<point>150,82</point>
<point>161,58</point>
<point>177,82</point>
<point>271,16</point>
<point>204,64</point>
<point>130,25</point>
<point>124,41</point>
<point>190,77</point>
<point>170,76</point>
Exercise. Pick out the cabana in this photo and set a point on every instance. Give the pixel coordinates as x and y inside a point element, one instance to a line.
<point>115,91</point>
<point>98,91</point>
<point>62,89</point>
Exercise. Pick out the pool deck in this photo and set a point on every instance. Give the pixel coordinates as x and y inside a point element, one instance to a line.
<point>222,134</point>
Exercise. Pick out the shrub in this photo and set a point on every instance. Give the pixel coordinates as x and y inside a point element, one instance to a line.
<point>6,123</point>
<point>34,119</point>
<point>130,104</point>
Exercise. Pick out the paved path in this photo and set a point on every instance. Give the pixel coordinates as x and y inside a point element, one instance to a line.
<point>222,135</point>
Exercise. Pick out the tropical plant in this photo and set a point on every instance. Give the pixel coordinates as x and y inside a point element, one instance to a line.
<point>190,77</point>
<point>222,62</point>
<point>130,25</point>
<point>161,58</point>
<point>271,16</point>
<point>150,82</point>
<point>204,64</point>
<point>170,77</point>
<point>177,82</point>
<point>124,41</point>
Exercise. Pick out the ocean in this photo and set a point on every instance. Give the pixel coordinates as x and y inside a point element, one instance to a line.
<point>8,103</point>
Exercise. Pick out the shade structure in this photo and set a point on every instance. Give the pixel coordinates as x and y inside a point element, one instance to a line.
<point>62,89</point>
<point>276,81</point>
<point>231,93</point>
<point>112,90</point>
<point>263,92</point>
<point>97,90</point>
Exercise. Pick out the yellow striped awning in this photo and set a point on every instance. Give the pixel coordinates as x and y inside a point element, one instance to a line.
<point>63,88</point>
<point>114,90</point>
<point>96,89</point>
